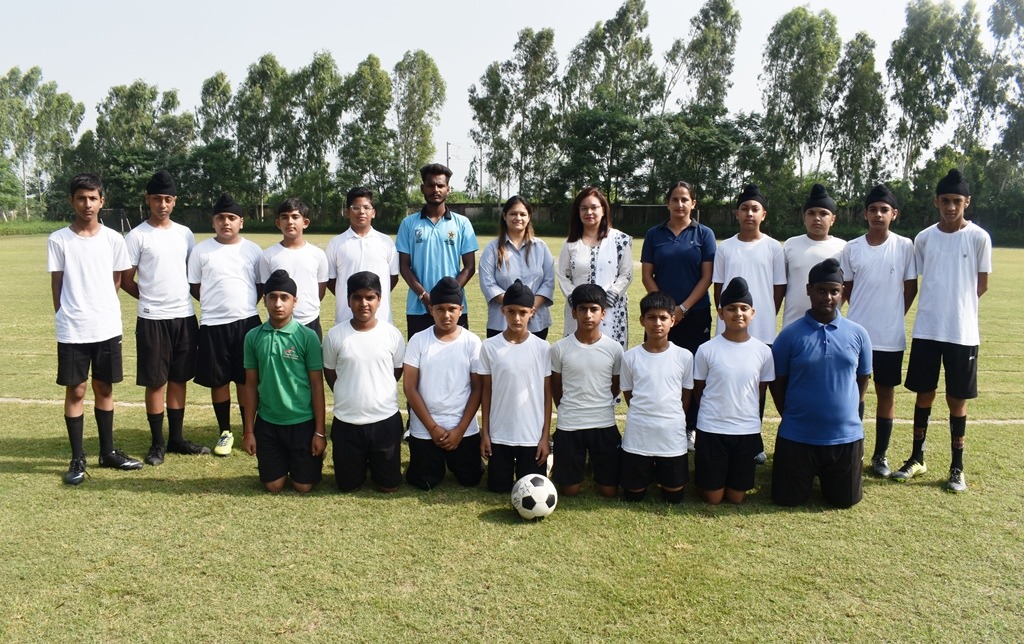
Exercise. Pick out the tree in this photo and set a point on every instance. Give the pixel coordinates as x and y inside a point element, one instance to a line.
<point>980,78</point>
<point>491,106</point>
<point>259,114</point>
<point>419,94</point>
<point>710,53</point>
<point>215,113</point>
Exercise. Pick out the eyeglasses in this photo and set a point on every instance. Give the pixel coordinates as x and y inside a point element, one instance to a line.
<point>361,208</point>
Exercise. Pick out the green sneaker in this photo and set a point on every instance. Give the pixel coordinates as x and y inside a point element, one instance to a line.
<point>224,444</point>
<point>956,482</point>
<point>910,469</point>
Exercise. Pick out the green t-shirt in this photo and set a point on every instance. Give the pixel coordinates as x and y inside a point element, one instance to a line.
<point>283,357</point>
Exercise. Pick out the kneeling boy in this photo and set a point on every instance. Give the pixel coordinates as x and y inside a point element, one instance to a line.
<point>284,391</point>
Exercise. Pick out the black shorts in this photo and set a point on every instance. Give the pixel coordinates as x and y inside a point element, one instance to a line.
<point>416,323</point>
<point>166,350</point>
<point>960,362</point>
<point>838,468</point>
<point>427,462</point>
<point>315,327</point>
<point>637,472</point>
<point>221,346</point>
<point>726,460</point>
<point>570,450</point>
<point>692,331</point>
<point>283,450</point>
<point>509,463</point>
<point>74,360</point>
<point>887,368</point>
<point>377,447</point>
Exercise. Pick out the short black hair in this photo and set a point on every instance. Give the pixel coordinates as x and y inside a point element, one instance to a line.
<point>434,169</point>
<point>356,193</point>
<point>85,181</point>
<point>588,294</point>
<point>293,203</point>
<point>363,280</point>
<point>657,301</point>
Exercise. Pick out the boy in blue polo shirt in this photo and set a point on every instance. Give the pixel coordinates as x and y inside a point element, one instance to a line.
<point>822,366</point>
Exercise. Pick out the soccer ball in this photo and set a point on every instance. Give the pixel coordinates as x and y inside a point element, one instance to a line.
<point>534,496</point>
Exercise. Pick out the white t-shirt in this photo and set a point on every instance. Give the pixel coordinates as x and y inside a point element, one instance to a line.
<point>949,263</point>
<point>587,370</point>
<point>306,265</point>
<point>517,374</point>
<point>348,253</point>
<point>227,275</point>
<point>762,264</point>
<point>878,274</point>
<point>365,391</point>
<point>655,422</point>
<point>444,377</point>
<point>802,254</point>
<point>161,257</point>
<point>89,308</point>
<point>732,373</point>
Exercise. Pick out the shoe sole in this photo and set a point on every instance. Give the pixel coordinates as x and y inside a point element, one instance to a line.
<point>73,482</point>
<point>189,453</point>
<point>955,491</point>
<point>152,462</point>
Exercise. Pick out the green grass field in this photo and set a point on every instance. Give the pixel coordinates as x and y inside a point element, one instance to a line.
<point>195,550</point>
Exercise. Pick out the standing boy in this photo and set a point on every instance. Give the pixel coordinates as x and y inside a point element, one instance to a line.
<point>881,283</point>
<point>730,376</point>
<point>822,365</point>
<point>585,369</point>
<point>304,262</point>
<point>954,258</point>
<point>362,361</point>
<point>284,407</point>
<point>444,395</point>
<point>166,331</point>
<point>361,248</point>
<point>223,274</point>
<point>516,400</point>
<point>804,251</point>
<point>657,380</point>
<point>80,259</point>
<point>433,243</point>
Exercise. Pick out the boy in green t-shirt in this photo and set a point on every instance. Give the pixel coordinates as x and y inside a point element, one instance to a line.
<point>284,393</point>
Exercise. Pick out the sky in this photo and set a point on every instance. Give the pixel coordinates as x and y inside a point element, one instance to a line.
<point>179,44</point>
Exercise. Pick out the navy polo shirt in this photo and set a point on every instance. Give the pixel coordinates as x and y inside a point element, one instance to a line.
<point>677,259</point>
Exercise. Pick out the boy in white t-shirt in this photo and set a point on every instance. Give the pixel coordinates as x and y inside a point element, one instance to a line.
<point>223,274</point>
<point>657,380</point>
<point>304,262</point>
<point>730,376</point>
<point>954,259</point>
<point>82,259</point>
<point>444,395</point>
<point>585,369</point>
<point>362,362</point>
<point>881,284</point>
<point>516,369</point>
<point>361,248</point>
<point>803,252</point>
<point>166,332</point>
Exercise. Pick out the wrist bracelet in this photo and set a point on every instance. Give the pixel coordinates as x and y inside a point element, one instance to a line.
<point>423,295</point>
<point>323,436</point>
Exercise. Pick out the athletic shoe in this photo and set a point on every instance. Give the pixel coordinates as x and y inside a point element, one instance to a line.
<point>760,459</point>
<point>224,444</point>
<point>155,455</point>
<point>956,482</point>
<point>187,447</point>
<point>118,460</point>
<point>910,469</point>
<point>691,439</point>
<point>76,472</point>
<point>880,466</point>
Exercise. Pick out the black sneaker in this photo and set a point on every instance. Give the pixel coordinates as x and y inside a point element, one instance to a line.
<point>155,455</point>
<point>187,447</point>
<point>118,460</point>
<point>76,472</point>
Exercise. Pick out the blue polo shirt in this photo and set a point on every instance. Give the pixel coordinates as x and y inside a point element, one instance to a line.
<point>822,362</point>
<point>677,259</point>
<point>434,250</point>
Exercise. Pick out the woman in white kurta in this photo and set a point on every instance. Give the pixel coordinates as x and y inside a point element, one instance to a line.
<point>596,253</point>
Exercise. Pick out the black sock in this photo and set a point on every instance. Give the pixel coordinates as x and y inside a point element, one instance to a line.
<point>672,497</point>
<point>156,427</point>
<point>921,415</point>
<point>883,432</point>
<point>223,412</point>
<point>175,422</point>
<point>105,426</point>
<point>957,431</point>
<point>76,427</point>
